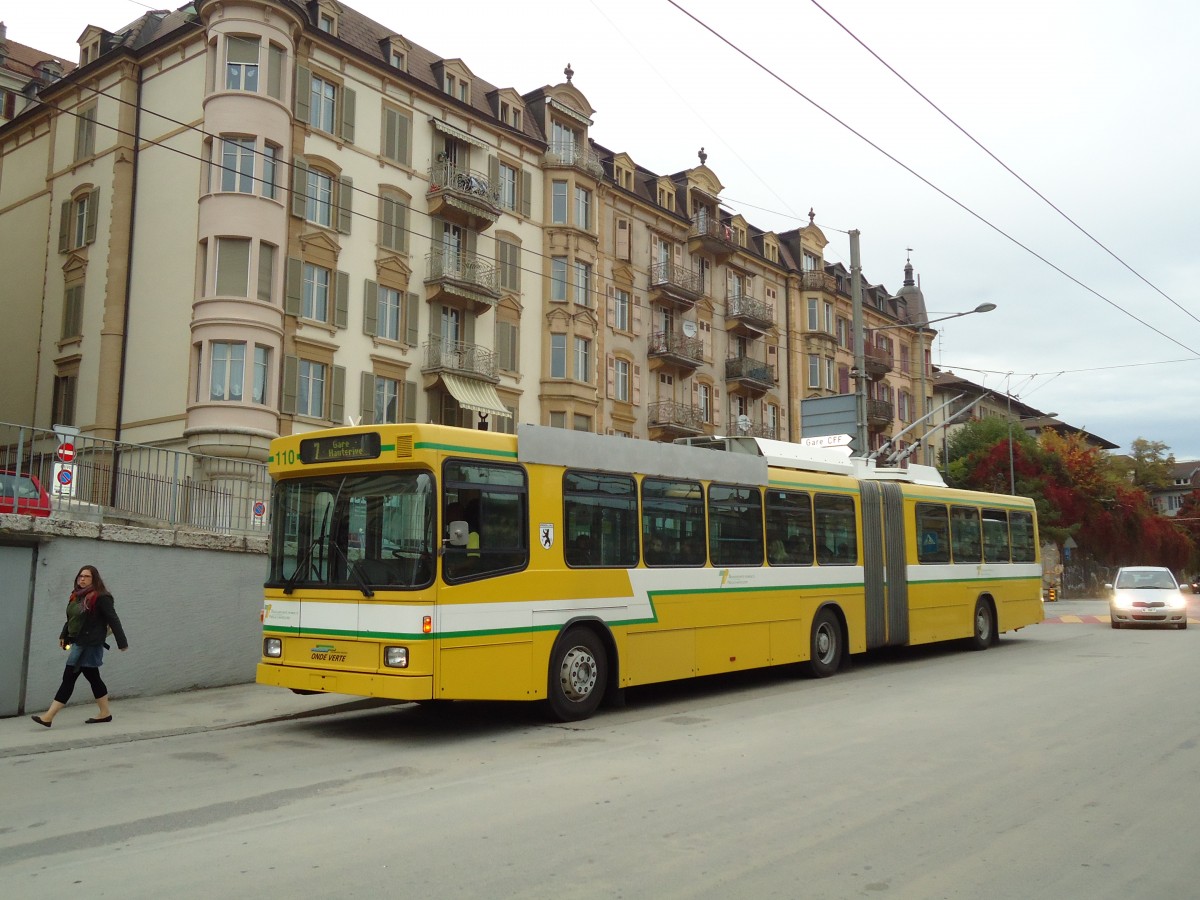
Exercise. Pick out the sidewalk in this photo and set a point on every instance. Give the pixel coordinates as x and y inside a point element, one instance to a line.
<point>142,718</point>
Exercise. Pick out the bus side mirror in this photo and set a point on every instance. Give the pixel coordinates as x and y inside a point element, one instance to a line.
<point>457,533</point>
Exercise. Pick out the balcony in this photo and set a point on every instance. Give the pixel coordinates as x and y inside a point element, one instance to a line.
<point>879,414</point>
<point>463,197</point>
<point>668,420</point>
<point>460,358</point>
<point>748,316</point>
<point>676,349</point>
<point>460,279</point>
<point>878,362</point>
<point>710,235</point>
<point>742,425</point>
<point>574,156</point>
<point>752,375</point>
<point>818,281</point>
<point>674,286</point>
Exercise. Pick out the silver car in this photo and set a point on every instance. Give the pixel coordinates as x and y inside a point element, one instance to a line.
<point>1146,595</point>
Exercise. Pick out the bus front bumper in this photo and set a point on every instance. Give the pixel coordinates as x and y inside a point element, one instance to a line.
<point>360,684</point>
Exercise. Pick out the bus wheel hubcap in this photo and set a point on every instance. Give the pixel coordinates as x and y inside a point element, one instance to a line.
<point>824,644</point>
<point>578,674</point>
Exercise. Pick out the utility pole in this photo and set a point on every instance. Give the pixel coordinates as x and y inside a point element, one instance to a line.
<point>860,365</point>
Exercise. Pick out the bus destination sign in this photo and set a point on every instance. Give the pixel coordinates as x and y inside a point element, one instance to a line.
<point>342,448</point>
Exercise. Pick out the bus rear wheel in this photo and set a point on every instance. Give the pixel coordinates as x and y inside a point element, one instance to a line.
<point>825,645</point>
<point>983,634</point>
<point>578,675</point>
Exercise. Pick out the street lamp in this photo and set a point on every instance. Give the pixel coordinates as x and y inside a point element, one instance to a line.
<point>860,362</point>
<point>1012,478</point>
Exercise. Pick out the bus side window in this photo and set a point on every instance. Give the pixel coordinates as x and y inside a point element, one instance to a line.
<point>995,535</point>
<point>933,533</point>
<point>964,534</point>
<point>789,528</point>
<point>837,530</point>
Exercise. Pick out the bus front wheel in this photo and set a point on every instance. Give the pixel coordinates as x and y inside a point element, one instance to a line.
<point>825,645</point>
<point>578,675</point>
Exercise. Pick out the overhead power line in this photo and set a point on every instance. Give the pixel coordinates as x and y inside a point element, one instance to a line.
<point>1002,164</point>
<point>996,228</point>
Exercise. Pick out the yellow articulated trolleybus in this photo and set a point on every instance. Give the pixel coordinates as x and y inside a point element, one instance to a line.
<point>431,563</point>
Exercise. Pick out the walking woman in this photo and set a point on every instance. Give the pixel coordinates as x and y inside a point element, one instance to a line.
<point>91,613</point>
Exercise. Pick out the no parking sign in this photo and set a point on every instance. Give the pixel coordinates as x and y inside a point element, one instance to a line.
<point>64,480</point>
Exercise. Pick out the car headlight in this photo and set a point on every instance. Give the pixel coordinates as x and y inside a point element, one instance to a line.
<point>395,657</point>
<point>272,648</point>
<point>1122,601</point>
<point>1177,602</point>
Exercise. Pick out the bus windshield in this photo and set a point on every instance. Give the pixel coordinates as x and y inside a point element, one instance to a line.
<point>354,531</point>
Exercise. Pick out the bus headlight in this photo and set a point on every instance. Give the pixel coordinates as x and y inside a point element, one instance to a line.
<point>395,657</point>
<point>272,648</point>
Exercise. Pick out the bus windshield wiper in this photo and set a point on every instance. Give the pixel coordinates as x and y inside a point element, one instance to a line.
<point>353,570</point>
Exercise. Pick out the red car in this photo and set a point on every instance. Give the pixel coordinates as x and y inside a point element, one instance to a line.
<point>23,494</point>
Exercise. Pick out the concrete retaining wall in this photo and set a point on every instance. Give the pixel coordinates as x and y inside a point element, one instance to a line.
<point>189,602</point>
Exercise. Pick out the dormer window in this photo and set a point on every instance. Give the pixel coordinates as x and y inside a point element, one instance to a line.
<point>327,23</point>
<point>457,87</point>
<point>510,115</point>
<point>398,60</point>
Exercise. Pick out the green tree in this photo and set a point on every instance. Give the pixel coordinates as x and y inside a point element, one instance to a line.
<point>1152,463</point>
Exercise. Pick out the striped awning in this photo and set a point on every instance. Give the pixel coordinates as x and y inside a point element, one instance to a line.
<point>458,133</point>
<point>477,395</point>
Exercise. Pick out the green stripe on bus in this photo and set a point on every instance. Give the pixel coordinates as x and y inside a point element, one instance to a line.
<point>454,448</point>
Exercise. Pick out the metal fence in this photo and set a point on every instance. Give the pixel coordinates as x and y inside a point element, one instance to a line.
<point>101,480</point>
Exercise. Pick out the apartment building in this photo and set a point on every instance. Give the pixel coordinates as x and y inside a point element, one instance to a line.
<point>249,218</point>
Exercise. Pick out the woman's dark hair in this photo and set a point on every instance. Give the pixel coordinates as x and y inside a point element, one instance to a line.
<point>97,582</point>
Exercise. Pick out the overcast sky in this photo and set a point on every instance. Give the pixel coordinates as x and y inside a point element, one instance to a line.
<point>1092,102</point>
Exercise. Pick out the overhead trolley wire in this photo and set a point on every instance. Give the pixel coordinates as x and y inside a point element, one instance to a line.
<point>766,69</point>
<point>1004,165</point>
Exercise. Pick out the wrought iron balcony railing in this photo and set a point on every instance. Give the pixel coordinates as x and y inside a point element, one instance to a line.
<point>568,153</point>
<point>669,413</point>
<point>665,274</point>
<point>460,266</point>
<point>677,344</point>
<point>750,309</point>
<point>460,357</point>
<point>446,175</point>
<point>750,369</point>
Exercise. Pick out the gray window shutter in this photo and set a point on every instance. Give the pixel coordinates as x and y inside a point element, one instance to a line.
<point>294,289</point>
<point>435,322</point>
<point>366,399</point>
<point>299,186</point>
<point>468,328</point>
<point>401,227</point>
<point>341,300</point>
<point>64,228</point>
<point>337,396</point>
<point>405,140</point>
<point>303,93</point>
<point>347,132</point>
<point>370,307</point>
<point>493,174</point>
<point>503,345</point>
<point>93,211</point>
<point>526,193</point>
<point>412,310</point>
<point>291,384</point>
<point>345,202</point>
<point>391,134</point>
<point>410,401</point>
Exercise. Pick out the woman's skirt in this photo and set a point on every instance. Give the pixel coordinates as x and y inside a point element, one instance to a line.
<point>85,657</point>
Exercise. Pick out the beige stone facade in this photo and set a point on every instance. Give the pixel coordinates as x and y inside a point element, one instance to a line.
<point>254,217</point>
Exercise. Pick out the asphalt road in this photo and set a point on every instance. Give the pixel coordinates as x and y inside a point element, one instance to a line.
<point>1060,764</point>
